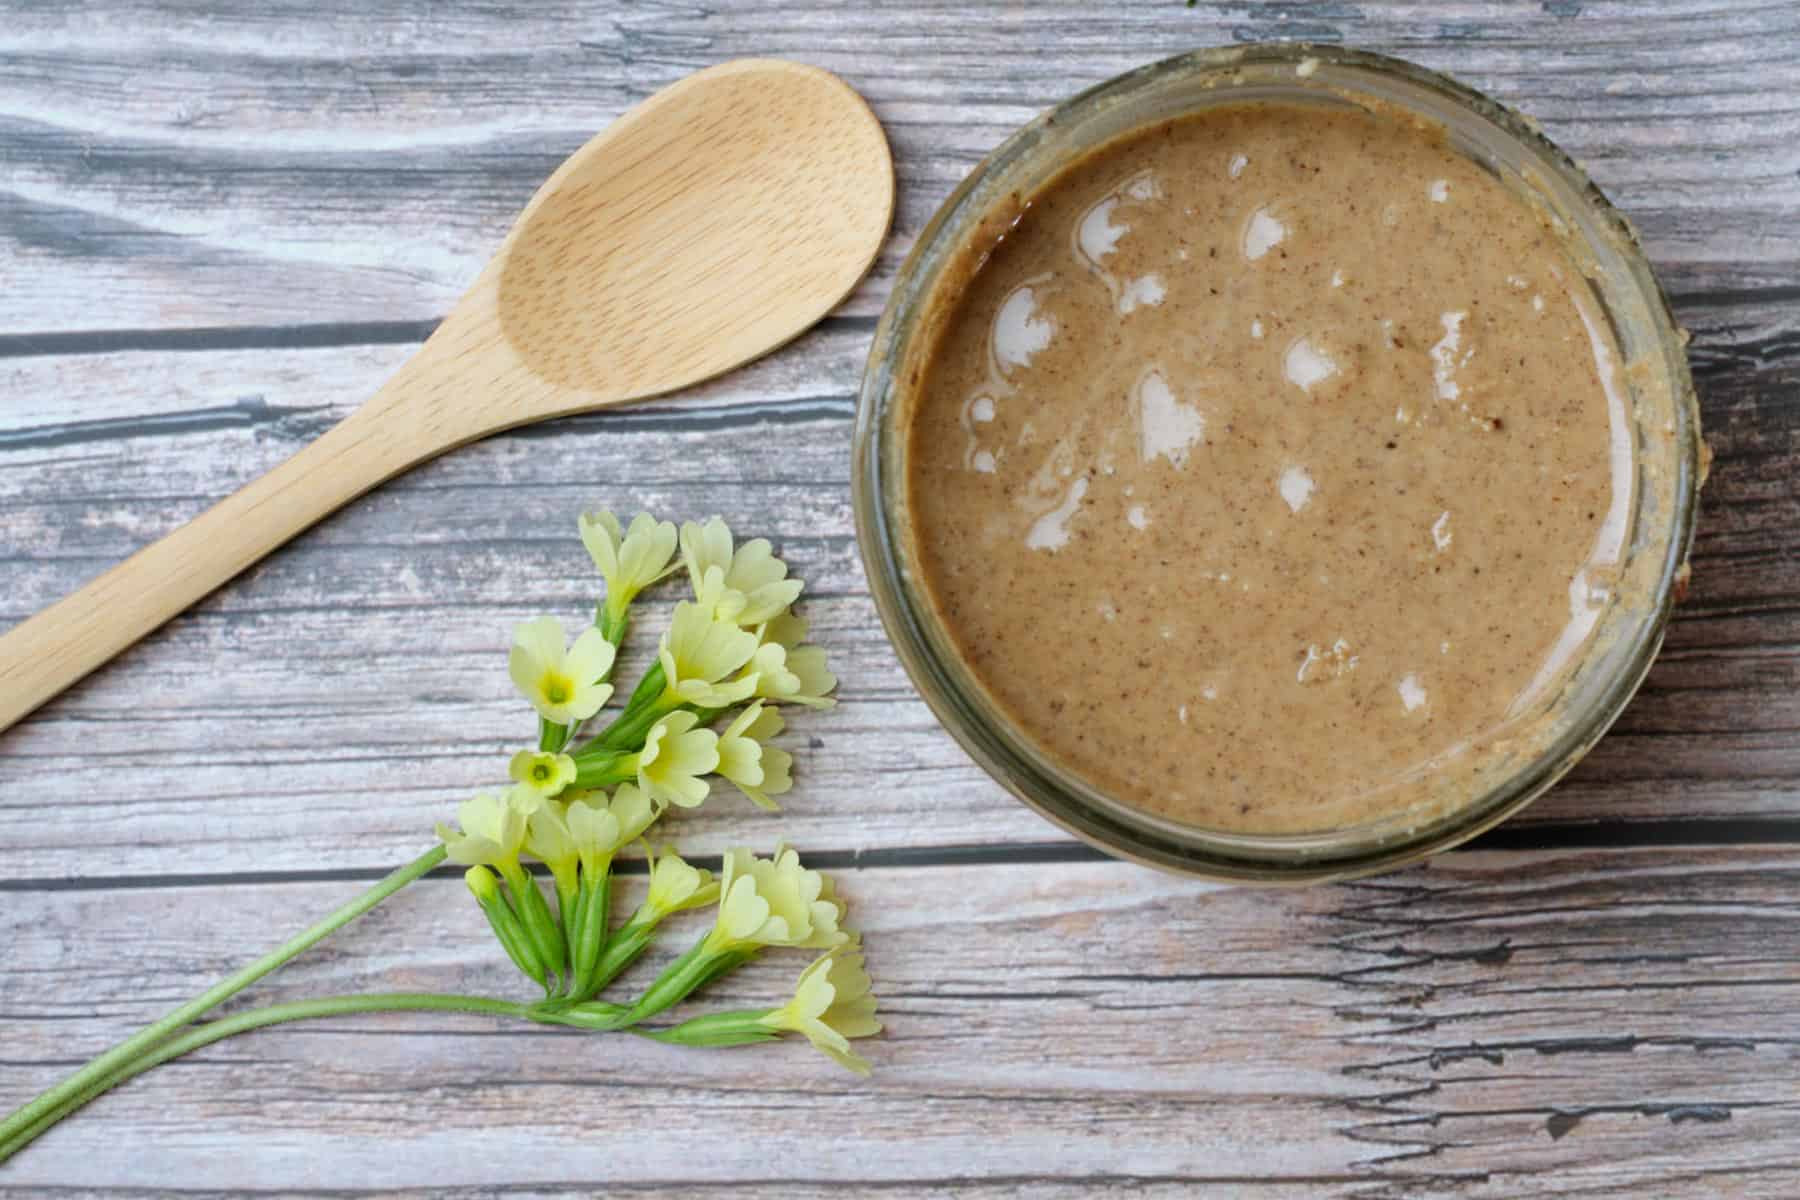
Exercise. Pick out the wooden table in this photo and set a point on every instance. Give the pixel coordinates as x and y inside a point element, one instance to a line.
<point>222,225</point>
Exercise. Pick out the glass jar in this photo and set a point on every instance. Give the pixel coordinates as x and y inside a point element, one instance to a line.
<point>1666,444</point>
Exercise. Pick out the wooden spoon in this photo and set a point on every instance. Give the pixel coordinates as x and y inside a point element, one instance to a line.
<point>710,224</point>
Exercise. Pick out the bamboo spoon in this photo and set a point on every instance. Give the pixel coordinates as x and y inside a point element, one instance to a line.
<point>710,224</point>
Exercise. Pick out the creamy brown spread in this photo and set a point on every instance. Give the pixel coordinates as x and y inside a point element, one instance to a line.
<point>1274,454</point>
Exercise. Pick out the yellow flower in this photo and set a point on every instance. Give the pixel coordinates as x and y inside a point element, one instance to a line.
<point>758,769</point>
<point>492,833</point>
<point>595,832</point>
<point>831,1005</point>
<point>697,652</point>
<point>600,827</point>
<point>635,810</point>
<point>786,631</point>
<point>562,685</point>
<point>796,676</point>
<point>544,774</point>
<point>807,663</point>
<point>748,585</point>
<point>675,886</point>
<point>547,836</point>
<point>629,560</point>
<point>674,757</point>
<point>525,799</point>
<point>774,902</point>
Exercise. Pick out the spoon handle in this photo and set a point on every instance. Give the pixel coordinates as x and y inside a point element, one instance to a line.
<point>48,652</point>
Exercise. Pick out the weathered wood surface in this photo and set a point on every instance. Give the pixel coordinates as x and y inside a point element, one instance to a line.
<point>222,226</point>
<point>1499,1024</point>
<point>339,162</point>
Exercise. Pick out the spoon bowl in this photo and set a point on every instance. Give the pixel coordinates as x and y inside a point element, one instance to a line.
<point>712,223</point>
<point>589,319</point>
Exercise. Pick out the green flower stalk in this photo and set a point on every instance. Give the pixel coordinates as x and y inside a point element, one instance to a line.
<point>674,887</point>
<point>599,830</point>
<point>588,935</point>
<point>51,1105</point>
<point>762,902</point>
<point>704,710</point>
<point>831,1005</point>
<point>493,833</point>
<point>485,886</point>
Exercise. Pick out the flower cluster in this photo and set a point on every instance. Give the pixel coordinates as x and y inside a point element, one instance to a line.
<point>706,710</point>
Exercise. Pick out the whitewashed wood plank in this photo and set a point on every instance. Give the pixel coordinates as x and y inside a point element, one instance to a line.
<point>327,163</point>
<point>1495,1024</point>
<point>967,1031</point>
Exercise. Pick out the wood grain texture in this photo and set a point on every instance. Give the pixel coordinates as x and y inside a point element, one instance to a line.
<point>1493,1025</point>
<point>221,226</point>
<point>179,162</point>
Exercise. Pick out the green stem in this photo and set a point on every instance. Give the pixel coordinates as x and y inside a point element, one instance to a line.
<point>652,685</point>
<point>612,626</point>
<point>622,949</point>
<point>650,702</point>
<point>603,768</point>
<point>256,1018</point>
<point>226,988</point>
<point>595,1016</point>
<point>552,737</point>
<point>680,979</point>
<point>743,1027</point>
<point>699,966</point>
<point>510,932</point>
<point>541,929</point>
<point>630,730</point>
<point>588,931</point>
